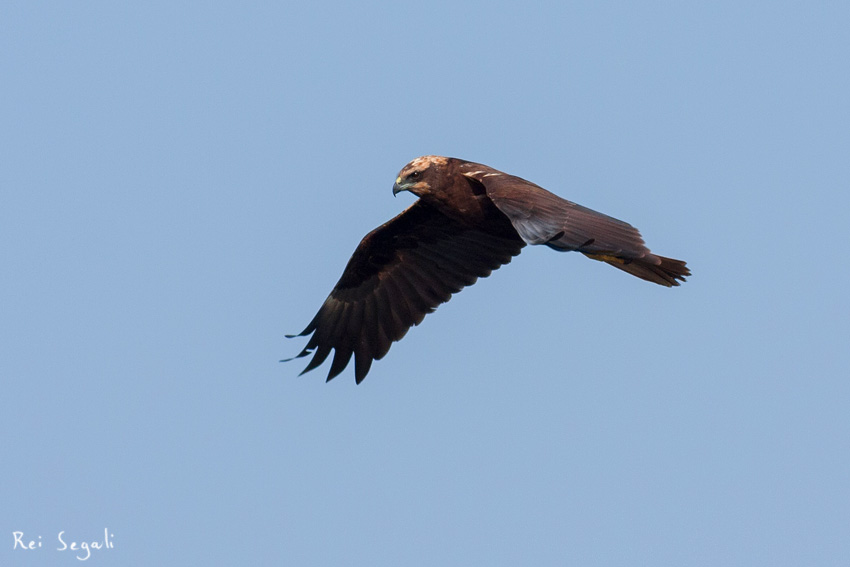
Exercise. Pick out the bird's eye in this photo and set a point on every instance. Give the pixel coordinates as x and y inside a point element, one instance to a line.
<point>414,175</point>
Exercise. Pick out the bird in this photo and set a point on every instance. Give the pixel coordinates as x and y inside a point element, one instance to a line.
<point>469,219</point>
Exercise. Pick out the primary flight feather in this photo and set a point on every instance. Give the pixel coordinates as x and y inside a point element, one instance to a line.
<point>469,220</point>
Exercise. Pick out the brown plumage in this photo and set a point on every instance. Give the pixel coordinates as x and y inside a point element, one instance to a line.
<point>470,219</point>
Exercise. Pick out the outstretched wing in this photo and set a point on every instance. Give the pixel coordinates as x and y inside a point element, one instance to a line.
<point>400,272</point>
<point>541,217</point>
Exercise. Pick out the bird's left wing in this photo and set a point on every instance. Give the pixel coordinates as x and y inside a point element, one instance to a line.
<point>400,272</point>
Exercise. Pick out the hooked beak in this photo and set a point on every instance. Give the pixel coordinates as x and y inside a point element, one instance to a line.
<point>398,188</point>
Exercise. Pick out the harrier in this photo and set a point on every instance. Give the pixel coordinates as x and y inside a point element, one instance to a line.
<point>469,220</point>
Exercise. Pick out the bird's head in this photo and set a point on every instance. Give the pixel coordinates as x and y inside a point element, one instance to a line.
<point>420,176</point>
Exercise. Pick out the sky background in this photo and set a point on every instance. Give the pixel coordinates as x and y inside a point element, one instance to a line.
<point>181,185</point>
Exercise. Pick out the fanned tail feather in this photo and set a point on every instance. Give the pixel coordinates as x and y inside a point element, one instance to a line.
<point>656,269</point>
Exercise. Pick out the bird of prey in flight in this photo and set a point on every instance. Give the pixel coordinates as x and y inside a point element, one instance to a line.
<point>469,220</point>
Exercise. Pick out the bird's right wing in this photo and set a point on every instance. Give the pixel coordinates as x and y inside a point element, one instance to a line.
<point>400,272</point>
<point>541,217</point>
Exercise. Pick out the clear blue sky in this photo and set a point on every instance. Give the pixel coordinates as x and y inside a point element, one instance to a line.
<point>181,185</point>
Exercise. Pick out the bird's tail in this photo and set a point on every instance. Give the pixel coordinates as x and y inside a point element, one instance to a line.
<point>656,269</point>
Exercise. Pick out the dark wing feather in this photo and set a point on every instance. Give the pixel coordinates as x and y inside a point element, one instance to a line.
<point>400,272</point>
<point>541,217</point>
